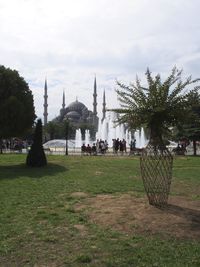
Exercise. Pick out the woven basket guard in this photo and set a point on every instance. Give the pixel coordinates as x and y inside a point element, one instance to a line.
<point>156,172</point>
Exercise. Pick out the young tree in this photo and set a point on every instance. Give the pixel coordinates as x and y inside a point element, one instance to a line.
<point>17,113</point>
<point>157,107</point>
<point>36,156</point>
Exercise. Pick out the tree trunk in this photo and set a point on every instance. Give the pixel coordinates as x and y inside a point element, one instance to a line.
<point>156,139</point>
<point>66,149</point>
<point>1,147</point>
<point>194,148</point>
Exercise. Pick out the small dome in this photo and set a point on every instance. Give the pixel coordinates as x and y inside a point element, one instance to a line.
<point>76,106</point>
<point>73,114</point>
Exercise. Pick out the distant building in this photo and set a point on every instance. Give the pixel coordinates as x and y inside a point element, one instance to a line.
<point>80,116</point>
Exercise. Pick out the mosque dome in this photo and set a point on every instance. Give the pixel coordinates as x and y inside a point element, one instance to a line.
<point>76,106</point>
<point>73,115</point>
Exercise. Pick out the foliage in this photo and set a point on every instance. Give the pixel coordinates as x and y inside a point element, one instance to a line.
<point>156,107</point>
<point>54,130</point>
<point>190,130</point>
<point>57,130</point>
<point>36,156</point>
<point>17,112</point>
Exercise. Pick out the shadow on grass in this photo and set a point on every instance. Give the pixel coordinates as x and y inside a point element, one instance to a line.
<point>21,170</point>
<point>191,215</point>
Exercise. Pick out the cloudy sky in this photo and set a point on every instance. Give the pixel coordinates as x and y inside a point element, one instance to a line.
<point>69,41</point>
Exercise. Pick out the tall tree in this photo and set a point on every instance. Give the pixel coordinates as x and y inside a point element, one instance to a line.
<point>17,113</point>
<point>52,129</point>
<point>156,107</point>
<point>190,129</point>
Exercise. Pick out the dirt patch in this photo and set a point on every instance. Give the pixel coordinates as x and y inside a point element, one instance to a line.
<point>81,228</point>
<point>126,213</point>
<point>79,195</point>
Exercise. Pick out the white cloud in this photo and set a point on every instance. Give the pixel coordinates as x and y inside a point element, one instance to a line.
<point>69,41</point>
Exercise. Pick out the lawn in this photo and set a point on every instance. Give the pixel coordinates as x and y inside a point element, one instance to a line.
<point>92,211</point>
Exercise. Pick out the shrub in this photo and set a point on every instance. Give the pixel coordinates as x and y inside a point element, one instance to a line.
<point>36,156</point>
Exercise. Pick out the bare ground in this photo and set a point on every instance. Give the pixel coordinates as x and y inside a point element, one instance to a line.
<point>129,214</point>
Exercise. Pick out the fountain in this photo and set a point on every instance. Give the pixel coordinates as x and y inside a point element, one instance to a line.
<point>107,130</point>
<point>141,140</point>
<point>78,138</point>
<point>87,137</point>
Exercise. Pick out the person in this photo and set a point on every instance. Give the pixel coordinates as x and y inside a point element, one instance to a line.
<point>179,150</point>
<point>132,144</point>
<point>7,144</point>
<point>116,145</point>
<point>94,150</point>
<point>124,145</point>
<point>88,150</point>
<point>121,147</point>
<point>101,146</point>
<point>97,146</point>
<point>114,141</point>
<point>106,145</point>
<point>83,149</point>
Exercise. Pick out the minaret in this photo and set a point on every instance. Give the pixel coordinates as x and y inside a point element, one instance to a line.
<point>63,103</point>
<point>95,98</point>
<point>45,103</point>
<point>62,110</point>
<point>104,106</point>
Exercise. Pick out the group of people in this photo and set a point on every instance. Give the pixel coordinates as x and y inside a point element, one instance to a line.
<point>119,145</point>
<point>101,147</point>
<point>180,149</point>
<point>15,144</point>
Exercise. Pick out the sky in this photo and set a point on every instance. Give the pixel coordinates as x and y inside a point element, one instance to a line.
<point>68,42</point>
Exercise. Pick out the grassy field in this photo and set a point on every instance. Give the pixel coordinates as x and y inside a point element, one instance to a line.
<point>47,215</point>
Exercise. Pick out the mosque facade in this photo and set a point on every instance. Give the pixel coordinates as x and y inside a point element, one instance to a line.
<point>79,116</point>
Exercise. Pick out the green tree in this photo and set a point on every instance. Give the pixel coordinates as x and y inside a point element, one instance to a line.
<point>52,129</point>
<point>17,113</point>
<point>190,130</point>
<point>36,156</point>
<point>157,107</point>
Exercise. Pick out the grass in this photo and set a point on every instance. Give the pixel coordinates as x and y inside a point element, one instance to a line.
<point>39,225</point>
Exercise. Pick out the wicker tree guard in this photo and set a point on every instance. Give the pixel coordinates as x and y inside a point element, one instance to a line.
<point>156,172</point>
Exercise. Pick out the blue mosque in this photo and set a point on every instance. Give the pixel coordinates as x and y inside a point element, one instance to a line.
<point>77,113</point>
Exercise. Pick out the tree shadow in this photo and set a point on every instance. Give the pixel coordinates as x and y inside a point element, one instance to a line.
<point>21,170</point>
<point>191,215</point>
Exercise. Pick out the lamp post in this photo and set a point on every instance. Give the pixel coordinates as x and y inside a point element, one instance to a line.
<point>66,136</point>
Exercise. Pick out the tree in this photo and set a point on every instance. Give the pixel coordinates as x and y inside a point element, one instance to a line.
<point>51,128</point>
<point>17,113</point>
<point>36,156</point>
<point>190,130</point>
<point>157,107</point>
